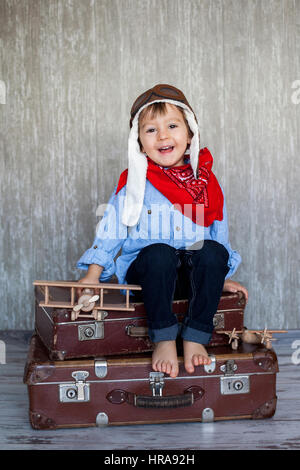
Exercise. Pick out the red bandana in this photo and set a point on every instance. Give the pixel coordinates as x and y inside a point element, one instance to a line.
<point>180,187</point>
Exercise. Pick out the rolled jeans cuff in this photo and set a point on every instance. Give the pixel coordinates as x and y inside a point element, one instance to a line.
<point>196,336</point>
<point>163,334</point>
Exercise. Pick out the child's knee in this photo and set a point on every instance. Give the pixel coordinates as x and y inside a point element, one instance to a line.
<point>213,254</point>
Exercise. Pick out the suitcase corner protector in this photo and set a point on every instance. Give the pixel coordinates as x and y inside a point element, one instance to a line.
<point>266,410</point>
<point>40,421</point>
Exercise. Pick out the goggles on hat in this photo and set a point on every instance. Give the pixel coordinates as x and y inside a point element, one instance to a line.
<point>158,92</point>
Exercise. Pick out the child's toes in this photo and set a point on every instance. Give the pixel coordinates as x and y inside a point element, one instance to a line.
<point>174,370</point>
<point>189,366</point>
<point>196,360</point>
<point>204,359</point>
<point>168,368</point>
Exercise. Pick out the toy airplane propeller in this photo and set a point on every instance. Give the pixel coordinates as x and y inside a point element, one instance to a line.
<point>86,303</point>
<point>251,336</point>
<point>233,338</point>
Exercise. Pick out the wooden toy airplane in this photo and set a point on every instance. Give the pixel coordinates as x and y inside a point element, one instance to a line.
<point>87,302</point>
<point>251,337</point>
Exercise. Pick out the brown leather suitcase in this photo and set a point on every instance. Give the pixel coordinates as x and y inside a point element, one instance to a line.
<point>124,390</point>
<point>119,328</point>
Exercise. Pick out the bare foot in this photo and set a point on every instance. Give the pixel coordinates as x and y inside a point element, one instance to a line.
<point>164,358</point>
<point>195,354</point>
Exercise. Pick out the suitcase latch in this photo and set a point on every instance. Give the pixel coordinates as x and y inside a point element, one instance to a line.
<point>79,391</point>
<point>210,368</point>
<point>229,367</point>
<point>94,330</point>
<point>232,384</point>
<point>157,383</point>
<point>218,321</point>
<point>100,367</point>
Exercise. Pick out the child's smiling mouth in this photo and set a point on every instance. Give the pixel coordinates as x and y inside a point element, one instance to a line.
<point>166,149</point>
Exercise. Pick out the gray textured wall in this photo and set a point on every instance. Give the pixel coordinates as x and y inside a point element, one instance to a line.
<point>72,69</point>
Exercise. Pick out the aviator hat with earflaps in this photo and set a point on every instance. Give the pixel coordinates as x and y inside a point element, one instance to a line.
<point>137,161</point>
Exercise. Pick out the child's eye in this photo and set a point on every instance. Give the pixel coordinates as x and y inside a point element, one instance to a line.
<point>150,130</point>
<point>172,126</point>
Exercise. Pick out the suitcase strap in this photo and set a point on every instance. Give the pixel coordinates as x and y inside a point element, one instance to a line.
<point>189,396</point>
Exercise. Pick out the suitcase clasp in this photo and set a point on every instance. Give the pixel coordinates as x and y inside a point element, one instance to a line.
<point>79,391</point>
<point>95,330</point>
<point>156,383</point>
<point>210,368</point>
<point>232,384</point>
<point>218,321</point>
<point>100,367</point>
<point>229,367</point>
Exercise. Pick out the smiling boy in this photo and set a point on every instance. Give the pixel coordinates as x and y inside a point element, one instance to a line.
<point>166,168</point>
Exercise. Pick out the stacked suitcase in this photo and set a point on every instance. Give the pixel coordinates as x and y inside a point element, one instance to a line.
<point>89,364</point>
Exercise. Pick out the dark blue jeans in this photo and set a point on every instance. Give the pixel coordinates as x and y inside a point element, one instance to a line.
<point>166,273</point>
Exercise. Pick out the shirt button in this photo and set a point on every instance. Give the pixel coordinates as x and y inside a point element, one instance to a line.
<point>149,211</point>
<point>95,247</point>
<point>177,228</point>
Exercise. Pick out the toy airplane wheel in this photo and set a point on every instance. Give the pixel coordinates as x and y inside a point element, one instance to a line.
<point>98,315</point>
<point>73,315</point>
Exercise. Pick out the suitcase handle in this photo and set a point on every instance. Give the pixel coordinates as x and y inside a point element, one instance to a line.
<point>136,331</point>
<point>175,401</point>
<point>189,396</point>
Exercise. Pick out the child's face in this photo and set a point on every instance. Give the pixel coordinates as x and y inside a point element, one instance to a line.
<point>165,137</point>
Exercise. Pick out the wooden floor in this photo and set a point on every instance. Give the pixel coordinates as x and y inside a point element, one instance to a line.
<point>280,432</point>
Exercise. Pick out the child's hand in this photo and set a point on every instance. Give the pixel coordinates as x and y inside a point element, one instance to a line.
<point>233,286</point>
<point>85,280</point>
<point>92,277</point>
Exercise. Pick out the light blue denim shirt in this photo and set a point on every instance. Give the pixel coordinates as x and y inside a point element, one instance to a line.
<point>159,223</point>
